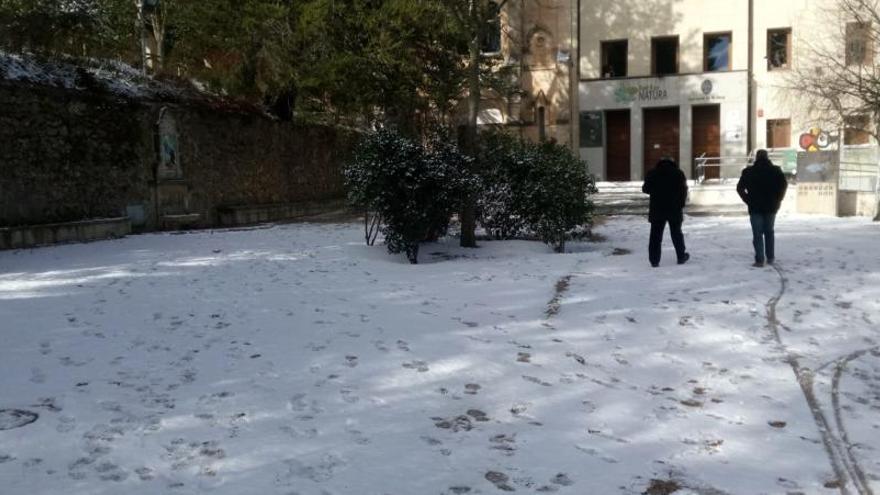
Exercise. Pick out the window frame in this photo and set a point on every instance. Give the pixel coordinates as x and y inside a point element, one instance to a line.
<point>770,130</point>
<point>854,129</point>
<point>603,51</point>
<point>654,42</point>
<point>493,32</point>
<point>852,29</point>
<point>787,32</point>
<point>718,34</point>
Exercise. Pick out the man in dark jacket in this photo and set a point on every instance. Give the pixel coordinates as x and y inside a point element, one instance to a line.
<point>667,186</point>
<point>762,186</point>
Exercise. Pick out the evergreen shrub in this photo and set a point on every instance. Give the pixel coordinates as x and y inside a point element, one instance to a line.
<point>414,188</point>
<point>539,189</point>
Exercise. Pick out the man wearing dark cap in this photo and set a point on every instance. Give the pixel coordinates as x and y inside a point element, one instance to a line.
<point>762,187</point>
<point>667,186</point>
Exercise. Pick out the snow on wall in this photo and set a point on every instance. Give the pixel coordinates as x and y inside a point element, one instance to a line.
<point>108,75</point>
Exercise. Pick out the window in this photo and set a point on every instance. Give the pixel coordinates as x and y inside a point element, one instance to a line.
<point>859,48</point>
<point>614,58</point>
<point>856,130</point>
<point>716,52</point>
<point>664,55</point>
<point>492,35</point>
<point>779,133</point>
<point>778,49</point>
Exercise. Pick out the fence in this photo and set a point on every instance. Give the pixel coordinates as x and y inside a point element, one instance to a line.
<point>858,166</point>
<point>723,168</point>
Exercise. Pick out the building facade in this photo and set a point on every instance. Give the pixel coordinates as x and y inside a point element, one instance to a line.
<point>705,82</point>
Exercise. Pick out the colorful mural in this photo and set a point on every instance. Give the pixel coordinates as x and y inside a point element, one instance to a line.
<point>814,140</point>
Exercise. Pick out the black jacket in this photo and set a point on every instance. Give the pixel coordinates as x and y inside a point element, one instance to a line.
<point>762,186</point>
<point>667,186</point>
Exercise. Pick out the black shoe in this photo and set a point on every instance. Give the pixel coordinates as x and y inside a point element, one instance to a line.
<point>655,265</point>
<point>684,259</point>
<point>770,261</point>
<point>758,264</point>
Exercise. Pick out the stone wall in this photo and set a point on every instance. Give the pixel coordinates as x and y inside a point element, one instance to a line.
<point>68,155</point>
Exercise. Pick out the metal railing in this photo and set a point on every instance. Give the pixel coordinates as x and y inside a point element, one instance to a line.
<point>721,168</point>
<point>859,169</point>
<point>859,177</point>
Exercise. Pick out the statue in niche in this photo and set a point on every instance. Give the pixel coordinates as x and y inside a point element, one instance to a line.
<point>169,155</point>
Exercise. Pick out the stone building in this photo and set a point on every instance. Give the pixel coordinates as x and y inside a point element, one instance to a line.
<point>535,43</point>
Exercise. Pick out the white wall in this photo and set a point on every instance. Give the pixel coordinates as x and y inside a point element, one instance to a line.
<point>640,20</point>
<point>813,23</point>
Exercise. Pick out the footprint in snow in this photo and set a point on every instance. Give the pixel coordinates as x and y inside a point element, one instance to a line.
<point>66,424</point>
<point>471,388</point>
<point>37,376</point>
<point>349,396</point>
<point>536,380</point>
<point>419,366</point>
<point>500,480</point>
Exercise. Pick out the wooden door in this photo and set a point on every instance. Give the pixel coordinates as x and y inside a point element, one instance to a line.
<point>661,135</point>
<point>706,137</point>
<point>617,145</point>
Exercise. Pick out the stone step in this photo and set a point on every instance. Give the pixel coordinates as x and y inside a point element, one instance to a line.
<point>693,210</point>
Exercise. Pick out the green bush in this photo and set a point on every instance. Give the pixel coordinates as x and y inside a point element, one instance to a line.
<point>413,188</point>
<point>541,189</point>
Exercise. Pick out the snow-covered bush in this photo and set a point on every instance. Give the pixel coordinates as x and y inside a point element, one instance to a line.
<point>413,188</point>
<point>497,204</point>
<point>533,188</point>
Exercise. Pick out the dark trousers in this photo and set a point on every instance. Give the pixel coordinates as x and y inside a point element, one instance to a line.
<point>657,239</point>
<point>762,235</point>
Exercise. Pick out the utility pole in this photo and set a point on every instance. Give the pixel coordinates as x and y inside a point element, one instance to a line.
<point>575,68</point>
<point>751,80</point>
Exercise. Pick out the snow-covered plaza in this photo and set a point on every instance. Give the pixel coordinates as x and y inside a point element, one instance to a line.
<point>297,360</point>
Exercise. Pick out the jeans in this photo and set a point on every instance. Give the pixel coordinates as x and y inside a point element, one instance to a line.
<point>657,239</point>
<point>762,235</point>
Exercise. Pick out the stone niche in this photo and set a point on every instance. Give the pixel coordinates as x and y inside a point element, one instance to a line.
<point>168,143</point>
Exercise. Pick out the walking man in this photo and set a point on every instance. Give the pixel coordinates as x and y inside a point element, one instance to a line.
<point>762,186</point>
<point>667,186</point>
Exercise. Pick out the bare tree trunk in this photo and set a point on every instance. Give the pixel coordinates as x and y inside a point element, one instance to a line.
<point>468,214</point>
<point>159,40</point>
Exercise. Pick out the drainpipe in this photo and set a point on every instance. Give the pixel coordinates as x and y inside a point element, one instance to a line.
<point>751,79</point>
<point>575,68</point>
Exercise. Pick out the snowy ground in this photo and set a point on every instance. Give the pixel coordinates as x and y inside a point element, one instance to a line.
<point>295,360</point>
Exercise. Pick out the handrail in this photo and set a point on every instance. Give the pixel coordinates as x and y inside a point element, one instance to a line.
<point>703,163</point>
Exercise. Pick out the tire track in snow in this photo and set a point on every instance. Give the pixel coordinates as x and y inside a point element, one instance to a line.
<point>839,368</point>
<point>843,462</point>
